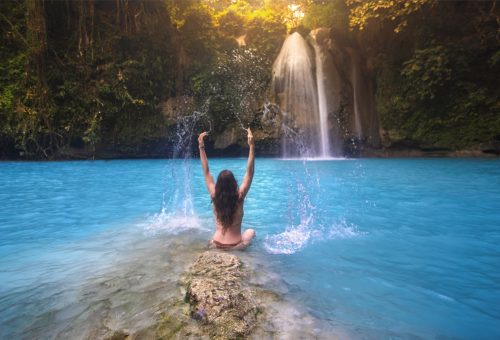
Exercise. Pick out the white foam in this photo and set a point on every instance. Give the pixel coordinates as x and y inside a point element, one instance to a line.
<point>287,242</point>
<point>343,230</point>
<point>174,223</point>
<point>315,159</point>
<point>445,297</point>
<point>297,238</point>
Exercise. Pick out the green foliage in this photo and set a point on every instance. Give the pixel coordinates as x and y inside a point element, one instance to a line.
<point>236,87</point>
<point>92,76</point>
<point>265,36</point>
<point>232,79</point>
<point>333,13</point>
<point>362,11</point>
<point>427,71</point>
<point>437,79</point>
<point>17,122</point>
<point>232,23</point>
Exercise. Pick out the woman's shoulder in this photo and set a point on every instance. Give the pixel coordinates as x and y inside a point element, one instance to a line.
<point>241,196</point>
<point>240,201</point>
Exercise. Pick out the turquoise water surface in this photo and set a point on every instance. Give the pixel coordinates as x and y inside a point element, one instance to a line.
<point>389,248</point>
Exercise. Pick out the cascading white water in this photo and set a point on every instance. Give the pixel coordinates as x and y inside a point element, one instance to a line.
<point>355,89</point>
<point>300,93</point>
<point>295,87</point>
<point>325,94</point>
<point>365,120</point>
<point>323,108</point>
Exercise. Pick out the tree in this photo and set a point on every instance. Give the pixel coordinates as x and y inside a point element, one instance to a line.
<point>363,11</point>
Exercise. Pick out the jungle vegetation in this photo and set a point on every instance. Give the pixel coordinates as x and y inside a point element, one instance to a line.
<point>82,79</point>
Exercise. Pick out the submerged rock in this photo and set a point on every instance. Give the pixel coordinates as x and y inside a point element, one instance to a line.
<point>118,335</point>
<point>218,297</point>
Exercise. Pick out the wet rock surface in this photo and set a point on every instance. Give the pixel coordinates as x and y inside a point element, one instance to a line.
<point>218,296</point>
<point>222,297</point>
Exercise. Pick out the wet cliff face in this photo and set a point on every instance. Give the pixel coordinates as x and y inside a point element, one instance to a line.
<point>326,96</point>
<point>294,89</point>
<point>331,84</point>
<point>349,92</point>
<point>320,103</point>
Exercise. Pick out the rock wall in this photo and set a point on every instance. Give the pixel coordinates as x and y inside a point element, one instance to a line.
<point>350,95</point>
<point>322,74</point>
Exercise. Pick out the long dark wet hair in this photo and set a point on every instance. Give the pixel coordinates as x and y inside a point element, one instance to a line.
<point>226,198</point>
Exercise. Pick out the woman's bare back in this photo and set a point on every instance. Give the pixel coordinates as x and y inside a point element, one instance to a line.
<point>229,237</point>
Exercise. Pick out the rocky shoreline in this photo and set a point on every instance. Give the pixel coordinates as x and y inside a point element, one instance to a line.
<point>419,153</point>
<point>238,151</point>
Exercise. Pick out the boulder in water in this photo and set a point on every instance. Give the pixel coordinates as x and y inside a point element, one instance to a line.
<point>218,297</point>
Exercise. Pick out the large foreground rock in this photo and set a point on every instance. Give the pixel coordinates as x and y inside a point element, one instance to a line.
<point>221,297</point>
<point>218,296</point>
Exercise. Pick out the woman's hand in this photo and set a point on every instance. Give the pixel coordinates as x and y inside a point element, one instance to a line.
<point>250,137</point>
<point>201,142</point>
<point>209,179</point>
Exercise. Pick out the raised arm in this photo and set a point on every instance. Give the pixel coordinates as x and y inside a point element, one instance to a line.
<point>209,180</point>
<point>247,180</point>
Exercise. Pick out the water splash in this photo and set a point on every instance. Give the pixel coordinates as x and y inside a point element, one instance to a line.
<point>238,81</point>
<point>296,239</point>
<point>342,230</point>
<point>301,212</point>
<point>181,200</point>
<point>177,211</point>
<point>303,152</point>
<point>295,139</point>
<point>306,222</point>
<point>288,242</point>
<point>174,223</point>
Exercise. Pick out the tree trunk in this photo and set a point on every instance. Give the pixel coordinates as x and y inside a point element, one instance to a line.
<point>38,90</point>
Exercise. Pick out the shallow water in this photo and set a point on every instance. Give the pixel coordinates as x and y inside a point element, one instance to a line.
<point>384,248</point>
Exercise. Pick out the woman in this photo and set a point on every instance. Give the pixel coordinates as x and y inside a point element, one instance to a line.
<point>227,200</point>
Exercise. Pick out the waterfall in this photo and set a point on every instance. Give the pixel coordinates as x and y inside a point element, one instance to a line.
<point>296,94</point>
<point>299,86</point>
<point>355,97</point>
<point>325,95</point>
<point>365,120</point>
<point>323,108</point>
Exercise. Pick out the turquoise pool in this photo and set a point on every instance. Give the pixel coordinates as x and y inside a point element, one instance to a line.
<point>368,248</point>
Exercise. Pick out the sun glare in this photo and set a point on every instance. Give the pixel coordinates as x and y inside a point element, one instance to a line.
<point>296,11</point>
<point>295,16</point>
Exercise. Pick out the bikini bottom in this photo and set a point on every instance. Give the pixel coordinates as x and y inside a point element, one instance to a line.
<point>225,246</point>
